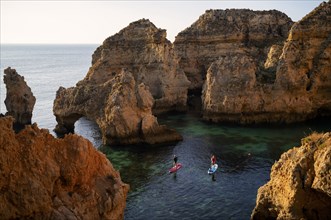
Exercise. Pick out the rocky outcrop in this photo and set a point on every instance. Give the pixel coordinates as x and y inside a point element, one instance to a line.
<point>229,88</point>
<point>304,67</point>
<point>19,98</point>
<point>120,106</point>
<point>226,33</point>
<point>300,184</point>
<point>133,73</point>
<point>238,58</point>
<point>47,178</point>
<point>143,50</point>
<point>294,83</point>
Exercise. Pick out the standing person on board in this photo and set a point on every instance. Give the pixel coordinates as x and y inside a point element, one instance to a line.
<point>213,159</point>
<point>213,162</point>
<point>175,160</point>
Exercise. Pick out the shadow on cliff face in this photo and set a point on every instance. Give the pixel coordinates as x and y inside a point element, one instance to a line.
<point>18,127</point>
<point>194,102</point>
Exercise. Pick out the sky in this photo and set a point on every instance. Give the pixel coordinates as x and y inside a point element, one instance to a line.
<point>91,22</point>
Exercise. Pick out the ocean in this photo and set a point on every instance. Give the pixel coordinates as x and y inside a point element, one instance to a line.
<point>244,154</point>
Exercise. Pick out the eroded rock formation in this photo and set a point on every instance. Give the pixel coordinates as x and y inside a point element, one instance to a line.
<point>133,73</point>
<point>238,58</point>
<point>19,98</point>
<point>304,68</point>
<point>300,184</point>
<point>47,178</point>
<point>120,106</point>
<point>294,83</point>
<point>144,50</point>
<point>229,88</point>
<point>226,33</point>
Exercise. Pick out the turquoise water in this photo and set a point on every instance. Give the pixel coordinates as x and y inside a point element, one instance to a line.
<point>245,156</point>
<point>245,153</point>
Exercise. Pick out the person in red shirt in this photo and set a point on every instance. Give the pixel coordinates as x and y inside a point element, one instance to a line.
<point>213,159</point>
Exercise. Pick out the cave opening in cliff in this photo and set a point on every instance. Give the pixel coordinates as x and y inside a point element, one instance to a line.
<point>266,75</point>
<point>90,130</point>
<point>194,101</point>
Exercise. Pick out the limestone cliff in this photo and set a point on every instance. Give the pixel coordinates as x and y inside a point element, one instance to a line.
<point>120,106</point>
<point>229,88</point>
<point>304,68</point>
<point>294,83</point>
<point>300,184</point>
<point>133,73</point>
<point>144,50</point>
<point>227,33</point>
<point>19,98</point>
<point>47,178</point>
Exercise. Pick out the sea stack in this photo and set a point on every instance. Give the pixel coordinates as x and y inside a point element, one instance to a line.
<point>19,98</point>
<point>43,177</point>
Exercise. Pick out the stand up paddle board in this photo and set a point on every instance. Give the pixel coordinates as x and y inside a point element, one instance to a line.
<point>212,169</point>
<point>175,168</point>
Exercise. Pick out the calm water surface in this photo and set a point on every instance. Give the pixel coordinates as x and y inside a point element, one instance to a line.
<point>45,68</point>
<point>245,154</point>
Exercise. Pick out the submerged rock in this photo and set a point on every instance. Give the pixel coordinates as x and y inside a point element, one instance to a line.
<point>19,98</point>
<point>47,178</point>
<point>300,183</point>
<point>291,84</point>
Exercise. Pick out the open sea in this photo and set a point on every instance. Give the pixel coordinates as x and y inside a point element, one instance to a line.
<point>244,154</point>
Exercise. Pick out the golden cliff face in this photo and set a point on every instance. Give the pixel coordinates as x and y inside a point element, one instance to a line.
<point>240,59</point>
<point>292,84</point>
<point>299,186</point>
<point>133,75</point>
<point>121,107</point>
<point>47,178</point>
<point>304,68</point>
<point>142,49</point>
<point>225,33</point>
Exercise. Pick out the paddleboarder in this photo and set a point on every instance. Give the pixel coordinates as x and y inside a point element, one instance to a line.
<point>213,159</point>
<point>175,160</point>
<point>175,165</point>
